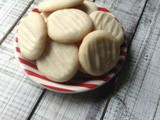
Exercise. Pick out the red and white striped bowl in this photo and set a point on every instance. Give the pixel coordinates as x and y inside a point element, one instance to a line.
<point>80,83</point>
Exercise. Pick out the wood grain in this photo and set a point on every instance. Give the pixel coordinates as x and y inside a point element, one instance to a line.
<point>89,106</point>
<point>137,95</point>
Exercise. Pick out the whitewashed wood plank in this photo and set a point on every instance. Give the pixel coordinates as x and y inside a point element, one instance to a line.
<point>10,12</point>
<point>137,96</point>
<point>18,94</point>
<point>149,94</point>
<point>87,106</point>
<point>70,107</point>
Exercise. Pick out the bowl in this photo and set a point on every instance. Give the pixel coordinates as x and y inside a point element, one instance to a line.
<point>80,82</point>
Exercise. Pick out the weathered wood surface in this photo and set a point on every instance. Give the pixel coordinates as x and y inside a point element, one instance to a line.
<point>137,92</point>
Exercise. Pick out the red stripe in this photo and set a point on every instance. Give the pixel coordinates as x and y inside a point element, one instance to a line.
<point>57,89</point>
<point>16,39</point>
<point>107,78</point>
<point>123,53</point>
<point>18,50</point>
<point>27,63</point>
<point>82,85</point>
<point>35,74</point>
<point>35,10</point>
<point>103,9</point>
<point>87,85</point>
<point>100,79</point>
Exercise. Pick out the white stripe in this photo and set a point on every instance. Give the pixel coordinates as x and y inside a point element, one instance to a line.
<point>32,69</point>
<point>68,87</point>
<point>111,75</point>
<point>95,82</point>
<point>111,15</point>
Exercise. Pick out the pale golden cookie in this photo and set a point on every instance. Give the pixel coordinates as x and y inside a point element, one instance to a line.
<point>59,62</point>
<point>32,33</point>
<point>98,53</point>
<point>69,25</point>
<point>53,5</point>
<point>105,21</point>
<point>88,7</point>
<point>45,15</point>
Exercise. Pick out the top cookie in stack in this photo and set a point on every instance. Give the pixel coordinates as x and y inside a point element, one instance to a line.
<point>79,37</point>
<point>53,5</point>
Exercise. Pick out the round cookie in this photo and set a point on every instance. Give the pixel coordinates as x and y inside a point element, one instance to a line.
<point>45,15</point>
<point>69,25</point>
<point>59,62</point>
<point>87,7</point>
<point>32,33</point>
<point>98,53</point>
<point>105,21</point>
<point>53,5</point>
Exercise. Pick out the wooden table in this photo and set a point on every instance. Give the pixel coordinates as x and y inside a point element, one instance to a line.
<point>134,96</point>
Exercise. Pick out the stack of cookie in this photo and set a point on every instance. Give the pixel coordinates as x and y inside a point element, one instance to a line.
<point>68,35</point>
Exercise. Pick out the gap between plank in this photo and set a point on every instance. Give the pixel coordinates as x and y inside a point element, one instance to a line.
<point>156,108</point>
<point>14,24</point>
<point>138,23</point>
<point>111,91</point>
<point>115,85</point>
<point>36,105</point>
